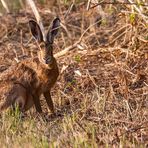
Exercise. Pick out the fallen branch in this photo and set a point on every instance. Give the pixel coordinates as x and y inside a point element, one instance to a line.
<point>63,52</point>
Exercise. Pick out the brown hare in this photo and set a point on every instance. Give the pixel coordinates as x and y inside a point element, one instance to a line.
<point>24,82</point>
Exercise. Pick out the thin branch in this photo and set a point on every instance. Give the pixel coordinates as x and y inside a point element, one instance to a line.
<point>5,5</point>
<point>63,52</point>
<point>88,4</point>
<point>69,10</point>
<point>131,130</point>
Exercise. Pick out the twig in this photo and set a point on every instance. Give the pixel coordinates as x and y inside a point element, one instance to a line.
<point>63,52</point>
<point>66,30</point>
<point>5,5</point>
<point>88,4</point>
<point>129,110</point>
<point>119,36</point>
<point>131,130</point>
<point>125,26</point>
<point>92,79</point>
<point>69,10</point>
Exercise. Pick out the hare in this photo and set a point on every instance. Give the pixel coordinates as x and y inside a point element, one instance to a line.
<point>24,82</point>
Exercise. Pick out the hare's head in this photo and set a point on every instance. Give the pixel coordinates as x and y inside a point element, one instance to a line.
<point>45,51</point>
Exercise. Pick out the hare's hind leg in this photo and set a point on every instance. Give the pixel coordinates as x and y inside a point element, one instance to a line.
<point>21,97</point>
<point>10,94</point>
<point>29,102</point>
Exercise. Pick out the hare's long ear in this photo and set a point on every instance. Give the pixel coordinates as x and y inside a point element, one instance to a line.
<point>53,30</point>
<point>35,30</point>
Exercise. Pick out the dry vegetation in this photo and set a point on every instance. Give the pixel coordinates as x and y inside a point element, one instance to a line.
<point>101,97</point>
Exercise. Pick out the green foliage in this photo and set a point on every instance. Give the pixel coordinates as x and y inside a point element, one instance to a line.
<point>66,1</point>
<point>146,38</point>
<point>103,22</point>
<point>42,1</point>
<point>15,5</point>
<point>78,58</point>
<point>132,18</point>
<point>140,3</point>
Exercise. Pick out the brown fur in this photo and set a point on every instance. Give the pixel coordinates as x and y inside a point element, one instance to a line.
<point>21,80</point>
<point>24,82</point>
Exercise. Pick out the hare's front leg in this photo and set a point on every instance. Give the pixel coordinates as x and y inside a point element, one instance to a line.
<point>49,101</point>
<point>36,100</point>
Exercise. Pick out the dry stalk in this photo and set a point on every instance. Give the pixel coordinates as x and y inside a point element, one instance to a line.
<point>66,30</point>
<point>69,10</point>
<point>67,49</point>
<point>63,52</point>
<point>5,6</point>
<point>92,79</point>
<point>125,26</point>
<point>129,110</point>
<point>88,4</point>
<point>132,130</point>
<point>119,36</point>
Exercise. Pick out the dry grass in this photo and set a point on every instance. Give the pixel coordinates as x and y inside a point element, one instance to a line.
<point>101,97</point>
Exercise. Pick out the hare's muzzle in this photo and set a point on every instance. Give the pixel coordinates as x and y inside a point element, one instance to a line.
<point>48,60</point>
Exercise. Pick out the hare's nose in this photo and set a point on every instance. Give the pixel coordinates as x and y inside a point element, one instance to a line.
<point>48,60</point>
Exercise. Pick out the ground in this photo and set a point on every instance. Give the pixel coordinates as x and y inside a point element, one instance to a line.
<point>101,96</point>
